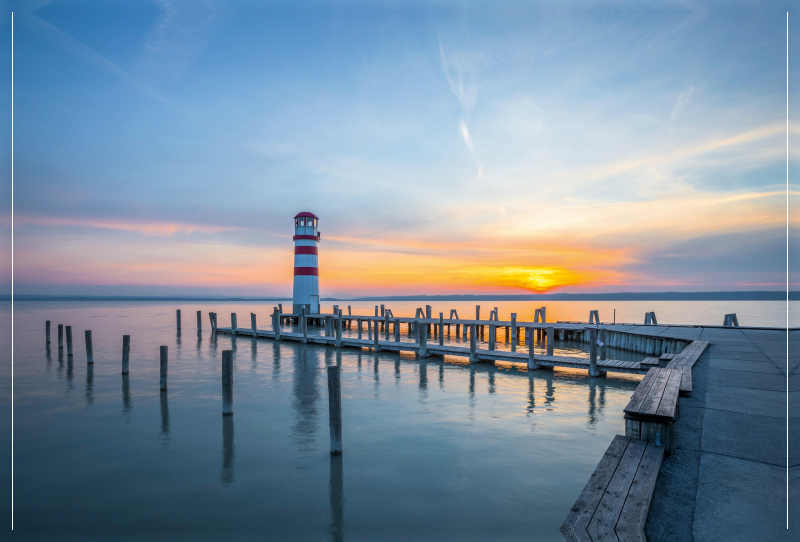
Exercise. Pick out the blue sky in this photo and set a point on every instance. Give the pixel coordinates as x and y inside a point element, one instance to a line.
<point>447,147</point>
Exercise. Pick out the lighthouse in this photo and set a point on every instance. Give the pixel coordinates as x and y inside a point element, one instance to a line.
<point>306,271</point>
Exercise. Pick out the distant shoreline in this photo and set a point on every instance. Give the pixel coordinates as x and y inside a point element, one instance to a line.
<point>620,296</point>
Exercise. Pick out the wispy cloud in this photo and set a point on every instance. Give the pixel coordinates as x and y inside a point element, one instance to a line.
<point>184,29</point>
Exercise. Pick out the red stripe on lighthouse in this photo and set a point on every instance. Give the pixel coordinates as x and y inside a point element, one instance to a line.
<point>308,237</point>
<point>306,250</point>
<point>299,271</point>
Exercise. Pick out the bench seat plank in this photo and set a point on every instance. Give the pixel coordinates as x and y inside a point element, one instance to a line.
<point>630,526</point>
<point>650,405</point>
<point>640,393</point>
<point>604,521</point>
<point>574,526</point>
<point>669,400</point>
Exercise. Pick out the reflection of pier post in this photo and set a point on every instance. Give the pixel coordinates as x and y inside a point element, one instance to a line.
<point>549,390</point>
<point>199,340</point>
<point>126,397</point>
<point>531,390</point>
<point>441,375</point>
<point>492,387</point>
<point>423,373</point>
<point>276,360</point>
<point>376,379</point>
<point>306,394</point>
<point>226,477</point>
<point>164,419</point>
<point>592,406</point>
<point>254,353</point>
<point>337,498</point>
<point>89,383</point>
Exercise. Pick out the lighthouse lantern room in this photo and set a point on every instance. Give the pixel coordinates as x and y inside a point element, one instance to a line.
<point>306,270</point>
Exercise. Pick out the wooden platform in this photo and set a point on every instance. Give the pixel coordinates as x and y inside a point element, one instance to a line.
<point>615,502</point>
<point>481,355</point>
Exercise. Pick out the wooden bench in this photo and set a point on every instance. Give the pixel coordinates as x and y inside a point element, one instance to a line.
<point>614,504</point>
<point>685,361</point>
<point>653,407</point>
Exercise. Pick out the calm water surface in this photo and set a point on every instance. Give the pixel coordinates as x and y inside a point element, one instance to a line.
<point>433,451</point>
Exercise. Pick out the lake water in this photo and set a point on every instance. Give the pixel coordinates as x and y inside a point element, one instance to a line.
<point>432,451</point>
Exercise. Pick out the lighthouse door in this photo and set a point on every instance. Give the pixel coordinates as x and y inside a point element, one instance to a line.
<point>314,304</point>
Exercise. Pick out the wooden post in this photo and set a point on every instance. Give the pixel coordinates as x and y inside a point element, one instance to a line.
<point>47,332</point>
<point>199,320</point>
<point>163,374</point>
<point>358,324</point>
<point>253,324</point>
<point>383,311</point>
<point>376,311</point>
<point>227,382</point>
<point>233,324</point>
<point>335,408</point>
<point>397,330</point>
<point>551,337</point>
<point>376,337</point>
<point>339,330</point>
<point>61,335</point>
<point>276,324</point>
<point>647,318</point>
<point>304,324</point>
<point>655,321</point>
<point>422,333</point>
<point>477,312</point>
<point>178,317</point>
<point>369,329</point>
<point>126,353</point>
<point>472,344</point>
<point>593,371</point>
<point>211,320</point>
<point>533,365</point>
<point>602,338</point>
<point>492,336</point>
<point>69,340</point>
<point>513,331</point>
<point>544,314</point>
<point>348,311</point>
<point>441,329</point>
<point>89,352</point>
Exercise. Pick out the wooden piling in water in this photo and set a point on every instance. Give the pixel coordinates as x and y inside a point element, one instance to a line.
<point>601,336</point>
<point>533,365</point>
<point>253,324</point>
<point>472,344</point>
<point>89,351</point>
<point>339,330</point>
<point>376,337</point>
<point>69,340</point>
<point>178,317</point>
<point>227,382</point>
<point>233,324</point>
<point>492,336</point>
<point>199,320</point>
<point>422,337</point>
<point>335,408</point>
<point>593,352</point>
<point>47,332</point>
<point>441,329</point>
<point>304,324</point>
<point>396,330</point>
<point>61,335</point>
<point>551,338</point>
<point>126,353</point>
<point>358,324</point>
<point>163,367</point>
<point>513,331</point>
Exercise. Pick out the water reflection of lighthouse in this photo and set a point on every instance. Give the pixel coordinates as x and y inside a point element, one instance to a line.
<point>306,271</point>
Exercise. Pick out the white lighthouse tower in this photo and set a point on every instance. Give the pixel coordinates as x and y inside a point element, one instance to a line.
<point>306,270</point>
